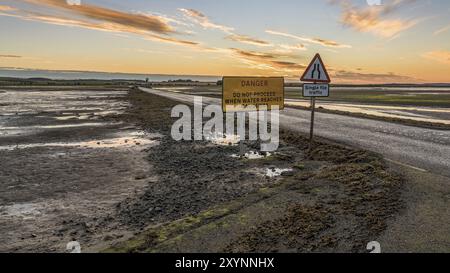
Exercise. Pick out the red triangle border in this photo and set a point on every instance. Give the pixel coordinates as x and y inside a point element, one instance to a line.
<point>324,69</point>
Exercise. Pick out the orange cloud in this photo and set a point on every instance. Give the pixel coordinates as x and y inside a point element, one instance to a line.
<point>248,40</point>
<point>153,28</point>
<point>268,60</point>
<point>6,8</point>
<point>371,18</point>
<point>137,21</point>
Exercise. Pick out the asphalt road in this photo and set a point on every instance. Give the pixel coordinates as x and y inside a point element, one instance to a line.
<point>418,148</point>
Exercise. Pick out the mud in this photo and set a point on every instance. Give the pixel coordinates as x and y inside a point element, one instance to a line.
<point>101,168</point>
<point>335,200</point>
<point>349,207</point>
<point>192,175</point>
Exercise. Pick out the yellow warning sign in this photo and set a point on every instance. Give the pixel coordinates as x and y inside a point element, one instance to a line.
<point>240,94</point>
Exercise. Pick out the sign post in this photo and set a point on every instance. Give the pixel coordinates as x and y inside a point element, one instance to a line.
<point>238,93</point>
<point>311,131</point>
<point>315,73</point>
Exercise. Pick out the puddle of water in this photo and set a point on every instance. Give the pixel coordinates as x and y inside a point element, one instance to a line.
<point>403,113</point>
<point>30,102</point>
<point>26,211</point>
<point>430,93</point>
<point>132,140</point>
<point>58,126</point>
<point>80,117</point>
<point>174,88</point>
<point>223,140</point>
<point>252,155</point>
<point>95,115</point>
<point>381,110</point>
<point>112,112</point>
<point>86,116</point>
<point>274,172</point>
<point>24,130</point>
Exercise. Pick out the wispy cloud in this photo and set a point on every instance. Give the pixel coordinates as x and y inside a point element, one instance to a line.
<point>204,21</point>
<point>319,41</point>
<point>10,56</point>
<point>248,40</point>
<point>201,19</point>
<point>268,60</point>
<point>290,48</point>
<point>441,56</point>
<point>442,30</point>
<point>373,19</point>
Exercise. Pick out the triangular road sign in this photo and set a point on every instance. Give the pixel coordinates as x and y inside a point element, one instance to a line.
<point>316,71</point>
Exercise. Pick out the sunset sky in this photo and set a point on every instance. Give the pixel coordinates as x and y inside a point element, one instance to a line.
<point>399,41</point>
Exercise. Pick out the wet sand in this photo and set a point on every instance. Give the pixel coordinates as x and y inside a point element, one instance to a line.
<point>67,160</point>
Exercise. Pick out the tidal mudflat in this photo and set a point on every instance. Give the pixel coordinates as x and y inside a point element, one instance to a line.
<point>100,167</point>
<point>66,160</point>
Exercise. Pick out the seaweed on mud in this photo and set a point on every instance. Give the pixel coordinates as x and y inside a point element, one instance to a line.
<point>301,229</point>
<point>363,196</point>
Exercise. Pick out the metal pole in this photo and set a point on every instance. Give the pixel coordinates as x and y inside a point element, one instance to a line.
<point>311,134</point>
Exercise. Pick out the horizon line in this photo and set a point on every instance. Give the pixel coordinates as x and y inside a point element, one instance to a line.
<point>68,71</point>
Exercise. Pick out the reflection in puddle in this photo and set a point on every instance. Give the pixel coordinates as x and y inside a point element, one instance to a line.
<point>134,139</point>
<point>35,102</point>
<point>80,117</point>
<point>86,116</point>
<point>223,139</point>
<point>58,126</point>
<point>253,155</point>
<point>403,113</point>
<point>173,89</point>
<point>430,93</point>
<point>76,107</point>
<point>274,172</point>
<point>26,130</point>
<point>26,211</point>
